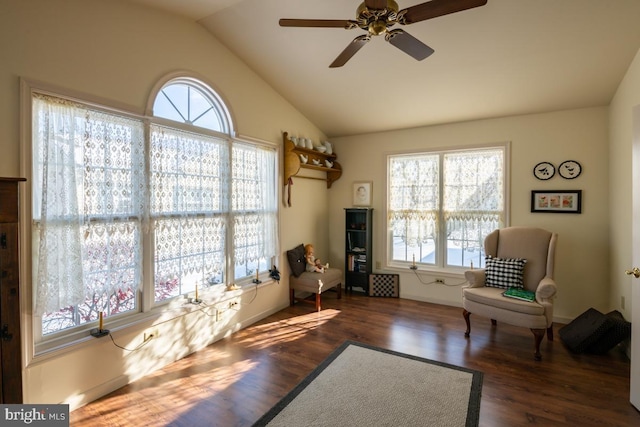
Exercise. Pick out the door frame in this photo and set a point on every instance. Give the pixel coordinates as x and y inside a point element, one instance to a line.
<point>634,393</point>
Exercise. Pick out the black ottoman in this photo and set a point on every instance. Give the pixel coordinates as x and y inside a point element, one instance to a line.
<point>594,332</point>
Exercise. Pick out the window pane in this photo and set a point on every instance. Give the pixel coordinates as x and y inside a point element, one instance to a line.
<point>465,241</point>
<point>178,98</point>
<point>164,108</point>
<point>189,253</point>
<point>188,198</point>
<point>120,302</point>
<point>413,200</point>
<point>253,209</point>
<point>188,172</point>
<point>105,245</point>
<point>89,205</point>
<point>473,203</point>
<point>187,103</point>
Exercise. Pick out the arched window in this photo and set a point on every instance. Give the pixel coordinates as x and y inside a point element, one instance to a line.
<point>190,101</point>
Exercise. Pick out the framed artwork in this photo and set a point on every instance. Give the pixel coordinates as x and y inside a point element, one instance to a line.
<point>544,171</point>
<point>362,193</point>
<point>570,169</point>
<point>556,201</point>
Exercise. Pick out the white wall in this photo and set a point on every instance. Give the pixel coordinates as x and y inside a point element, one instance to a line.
<point>582,262</point>
<point>116,51</point>
<point>621,137</point>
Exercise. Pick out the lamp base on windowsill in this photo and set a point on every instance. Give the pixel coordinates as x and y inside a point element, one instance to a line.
<point>99,333</point>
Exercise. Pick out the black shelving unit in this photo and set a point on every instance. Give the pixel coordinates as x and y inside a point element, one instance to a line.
<point>358,248</point>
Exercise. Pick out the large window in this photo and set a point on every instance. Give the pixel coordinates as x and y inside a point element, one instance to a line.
<point>442,204</point>
<point>113,192</point>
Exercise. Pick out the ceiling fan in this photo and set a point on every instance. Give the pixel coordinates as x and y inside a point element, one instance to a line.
<point>378,16</point>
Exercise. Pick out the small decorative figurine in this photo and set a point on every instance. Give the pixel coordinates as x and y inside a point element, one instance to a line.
<point>313,264</point>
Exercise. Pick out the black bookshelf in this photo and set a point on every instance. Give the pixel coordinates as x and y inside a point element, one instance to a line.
<point>358,248</point>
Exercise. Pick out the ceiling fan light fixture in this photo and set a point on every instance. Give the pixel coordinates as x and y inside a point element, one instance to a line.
<point>377,27</point>
<point>363,12</point>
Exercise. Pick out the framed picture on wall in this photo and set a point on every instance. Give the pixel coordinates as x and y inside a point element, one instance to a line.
<point>556,201</point>
<point>362,193</point>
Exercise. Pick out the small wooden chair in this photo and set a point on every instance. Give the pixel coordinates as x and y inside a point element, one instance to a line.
<point>305,281</point>
<point>316,283</point>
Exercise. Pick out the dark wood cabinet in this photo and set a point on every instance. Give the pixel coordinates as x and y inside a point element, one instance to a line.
<point>358,248</point>
<point>10,354</point>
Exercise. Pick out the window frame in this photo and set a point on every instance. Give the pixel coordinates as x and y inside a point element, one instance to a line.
<point>146,308</point>
<point>441,244</point>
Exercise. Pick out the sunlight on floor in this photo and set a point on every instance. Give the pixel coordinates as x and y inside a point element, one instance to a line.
<point>209,371</point>
<point>286,330</point>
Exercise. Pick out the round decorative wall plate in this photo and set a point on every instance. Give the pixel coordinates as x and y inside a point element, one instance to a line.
<point>544,170</point>
<point>569,169</point>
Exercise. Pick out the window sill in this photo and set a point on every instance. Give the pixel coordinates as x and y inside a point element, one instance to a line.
<point>176,308</point>
<point>452,272</point>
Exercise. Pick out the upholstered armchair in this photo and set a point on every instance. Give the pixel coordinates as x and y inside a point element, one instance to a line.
<point>516,257</point>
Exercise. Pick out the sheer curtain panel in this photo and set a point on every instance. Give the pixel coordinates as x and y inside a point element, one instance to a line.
<point>88,203</point>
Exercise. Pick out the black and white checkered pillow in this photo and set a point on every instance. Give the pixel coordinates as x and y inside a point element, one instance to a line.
<point>504,272</point>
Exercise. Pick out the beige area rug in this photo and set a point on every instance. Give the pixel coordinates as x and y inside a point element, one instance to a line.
<point>361,385</point>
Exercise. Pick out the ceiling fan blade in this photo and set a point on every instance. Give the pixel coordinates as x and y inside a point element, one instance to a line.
<point>376,4</point>
<point>435,8</point>
<point>324,23</point>
<point>408,44</point>
<point>351,50</point>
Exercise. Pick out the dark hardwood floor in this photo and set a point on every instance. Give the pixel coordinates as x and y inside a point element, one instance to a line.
<point>235,380</point>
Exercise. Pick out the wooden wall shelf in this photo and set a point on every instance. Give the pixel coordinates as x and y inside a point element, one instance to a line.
<point>292,163</point>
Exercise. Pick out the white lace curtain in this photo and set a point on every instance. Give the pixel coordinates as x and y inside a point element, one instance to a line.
<point>189,205</point>
<point>471,192</point>
<point>254,203</point>
<point>93,200</point>
<point>89,202</point>
<point>414,197</point>
<point>473,186</point>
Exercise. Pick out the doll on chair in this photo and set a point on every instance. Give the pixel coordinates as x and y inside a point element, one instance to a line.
<point>313,264</point>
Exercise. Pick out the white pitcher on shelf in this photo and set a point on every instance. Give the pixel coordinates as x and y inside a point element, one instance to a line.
<point>309,144</point>
<point>329,147</point>
<point>303,158</point>
<point>316,162</point>
<point>328,164</point>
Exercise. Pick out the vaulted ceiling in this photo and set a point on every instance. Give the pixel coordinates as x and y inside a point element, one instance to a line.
<point>506,58</point>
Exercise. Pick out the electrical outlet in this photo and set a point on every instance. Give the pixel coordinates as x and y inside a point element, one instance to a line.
<point>233,304</point>
<point>622,302</point>
<point>440,281</point>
